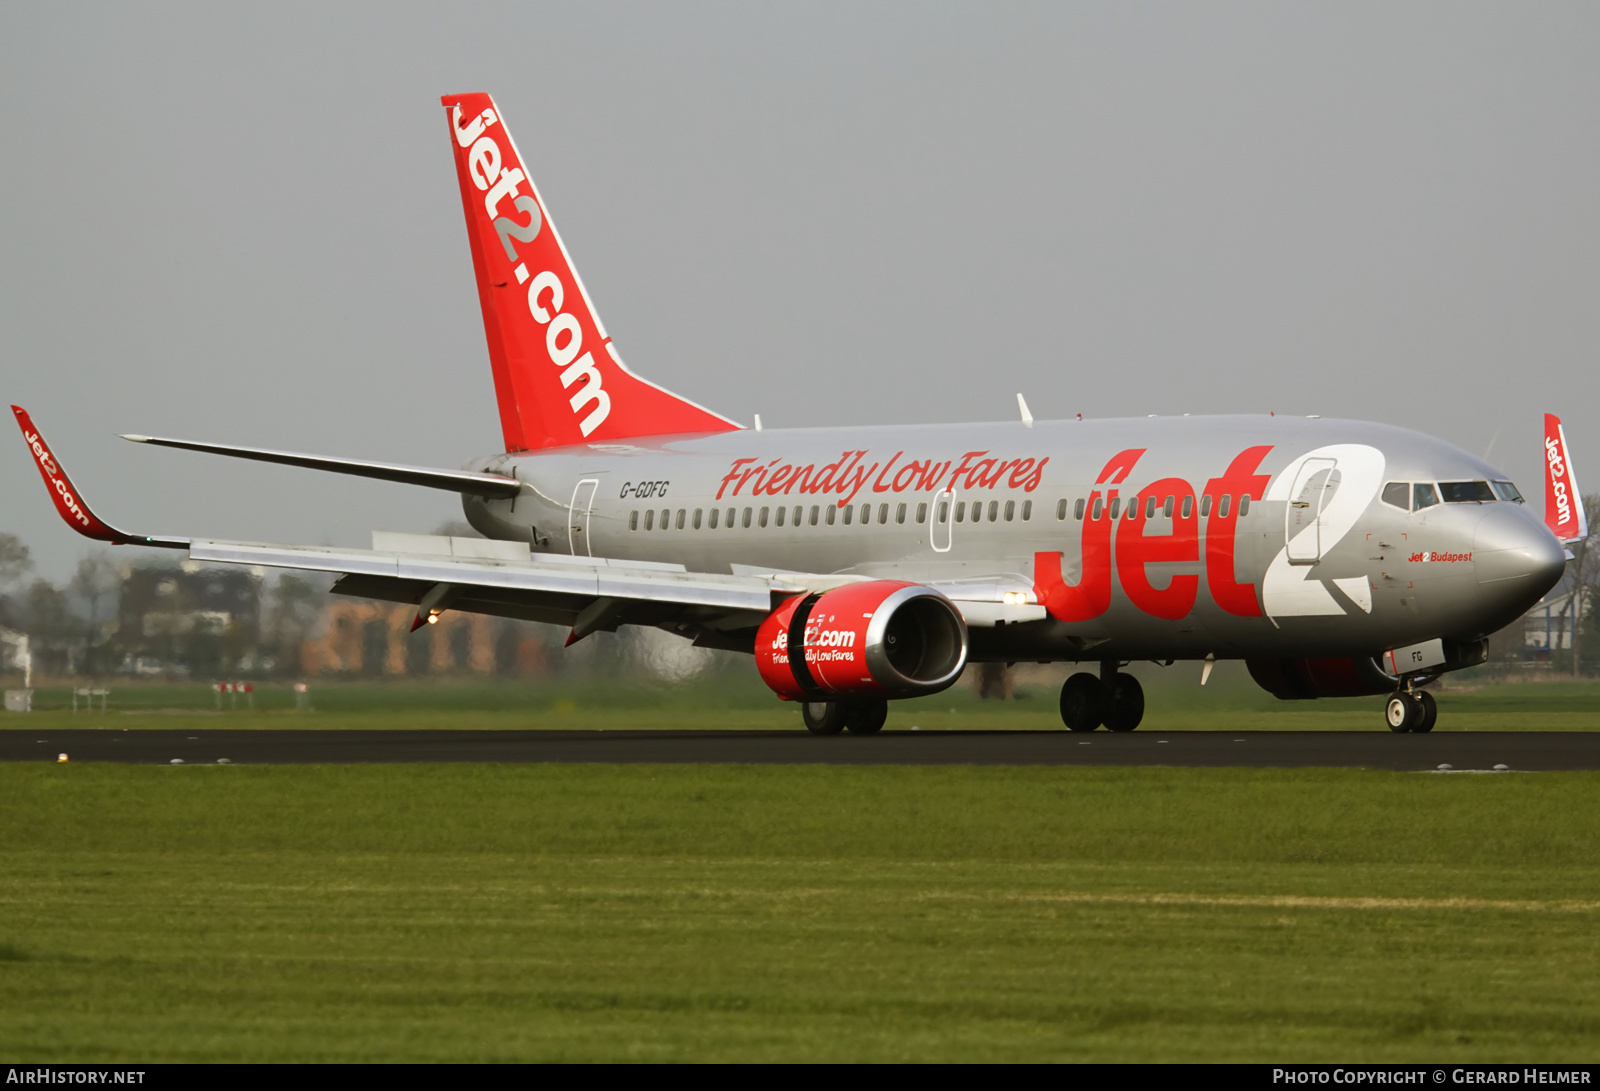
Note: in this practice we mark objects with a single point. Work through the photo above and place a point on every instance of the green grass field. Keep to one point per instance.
(795, 913)
(736, 699)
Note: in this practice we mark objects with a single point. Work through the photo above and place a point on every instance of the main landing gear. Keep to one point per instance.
(832, 717)
(1114, 699)
(1407, 711)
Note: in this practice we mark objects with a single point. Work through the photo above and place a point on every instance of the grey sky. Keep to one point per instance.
(241, 223)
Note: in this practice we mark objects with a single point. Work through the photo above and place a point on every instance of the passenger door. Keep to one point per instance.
(580, 512)
(1314, 485)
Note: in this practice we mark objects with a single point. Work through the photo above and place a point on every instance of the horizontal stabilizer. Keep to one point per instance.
(492, 486)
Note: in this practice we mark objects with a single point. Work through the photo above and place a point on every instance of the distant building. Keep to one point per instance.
(375, 638)
(1549, 626)
(189, 619)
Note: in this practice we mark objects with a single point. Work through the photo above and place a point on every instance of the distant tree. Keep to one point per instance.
(1584, 573)
(97, 584)
(293, 607)
(15, 560)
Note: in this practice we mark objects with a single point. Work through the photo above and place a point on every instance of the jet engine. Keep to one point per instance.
(878, 639)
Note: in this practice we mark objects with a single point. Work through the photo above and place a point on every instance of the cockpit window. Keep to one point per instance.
(1423, 495)
(1505, 490)
(1466, 492)
(1398, 494)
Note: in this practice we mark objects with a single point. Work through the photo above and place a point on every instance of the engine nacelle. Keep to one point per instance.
(1304, 679)
(883, 638)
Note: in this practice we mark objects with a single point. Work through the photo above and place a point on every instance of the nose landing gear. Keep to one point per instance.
(1411, 712)
(1114, 699)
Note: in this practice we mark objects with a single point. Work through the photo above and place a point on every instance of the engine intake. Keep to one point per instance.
(883, 638)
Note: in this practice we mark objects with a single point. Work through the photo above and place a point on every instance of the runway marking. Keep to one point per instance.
(1291, 901)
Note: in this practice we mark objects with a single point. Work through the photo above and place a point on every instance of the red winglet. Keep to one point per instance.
(69, 502)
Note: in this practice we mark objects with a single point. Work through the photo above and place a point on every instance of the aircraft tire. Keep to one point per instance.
(865, 717)
(1429, 716)
(1083, 702)
(1402, 713)
(823, 717)
(1126, 708)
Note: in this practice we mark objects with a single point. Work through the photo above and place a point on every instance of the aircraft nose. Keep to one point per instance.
(1516, 554)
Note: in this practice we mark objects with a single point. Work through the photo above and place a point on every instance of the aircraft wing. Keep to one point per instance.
(589, 594)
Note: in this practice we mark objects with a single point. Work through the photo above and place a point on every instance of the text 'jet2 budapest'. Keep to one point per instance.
(861, 565)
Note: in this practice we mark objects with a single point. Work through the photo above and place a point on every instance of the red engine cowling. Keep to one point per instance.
(882, 638)
(1304, 679)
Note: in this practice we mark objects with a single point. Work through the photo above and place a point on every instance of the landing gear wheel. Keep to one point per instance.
(1402, 713)
(1126, 707)
(1430, 714)
(865, 717)
(1083, 702)
(823, 717)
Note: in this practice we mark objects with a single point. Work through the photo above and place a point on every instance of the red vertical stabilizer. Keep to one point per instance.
(556, 375)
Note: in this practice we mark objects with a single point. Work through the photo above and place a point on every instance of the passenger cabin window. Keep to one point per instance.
(1205, 506)
(1011, 509)
(763, 517)
(1188, 506)
(714, 513)
(1466, 492)
(633, 519)
(1505, 490)
(682, 515)
(961, 511)
(832, 514)
(1397, 494)
(650, 519)
(883, 514)
(1116, 507)
(1244, 505)
(747, 518)
(1423, 495)
(1222, 506)
(922, 513)
(1077, 509)
(1150, 507)
(697, 512)
(1098, 507)
(849, 514)
(1061, 510)
(814, 512)
(900, 514)
(1027, 510)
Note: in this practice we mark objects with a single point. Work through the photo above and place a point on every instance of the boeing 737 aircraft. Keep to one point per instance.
(860, 565)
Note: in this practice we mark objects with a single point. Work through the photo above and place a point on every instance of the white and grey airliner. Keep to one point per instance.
(860, 565)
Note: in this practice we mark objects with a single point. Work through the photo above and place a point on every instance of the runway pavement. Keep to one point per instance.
(1326, 749)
